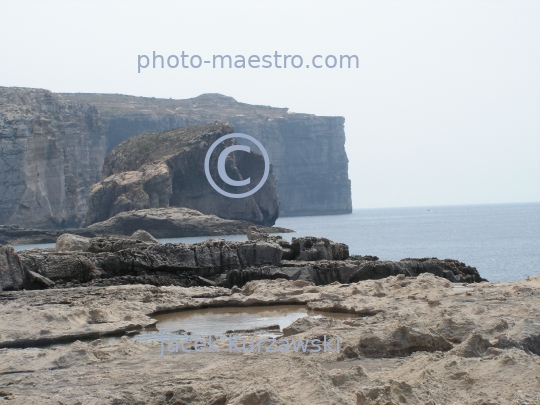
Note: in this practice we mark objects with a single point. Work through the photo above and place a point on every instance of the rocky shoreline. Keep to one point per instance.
(420, 331)
(141, 259)
(413, 340)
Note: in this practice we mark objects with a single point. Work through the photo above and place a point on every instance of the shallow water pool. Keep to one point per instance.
(220, 321)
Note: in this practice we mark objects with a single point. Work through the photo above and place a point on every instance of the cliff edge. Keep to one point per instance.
(51, 153)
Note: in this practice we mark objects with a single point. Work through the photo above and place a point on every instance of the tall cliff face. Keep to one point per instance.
(307, 151)
(51, 153)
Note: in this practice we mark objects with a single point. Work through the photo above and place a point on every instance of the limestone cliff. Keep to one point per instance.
(307, 151)
(51, 152)
(166, 169)
(52, 149)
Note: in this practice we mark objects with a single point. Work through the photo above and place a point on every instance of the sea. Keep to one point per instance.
(501, 240)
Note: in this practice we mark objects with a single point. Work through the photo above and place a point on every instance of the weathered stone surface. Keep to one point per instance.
(51, 153)
(307, 323)
(310, 248)
(241, 277)
(114, 244)
(394, 349)
(308, 151)
(254, 233)
(12, 273)
(172, 222)
(224, 263)
(72, 243)
(452, 270)
(39, 281)
(258, 253)
(160, 264)
(144, 236)
(64, 267)
(166, 169)
(340, 251)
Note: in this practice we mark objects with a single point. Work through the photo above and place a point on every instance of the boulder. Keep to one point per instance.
(310, 248)
(61, 267)
(13, 275)
(144, 236)
(72, 243)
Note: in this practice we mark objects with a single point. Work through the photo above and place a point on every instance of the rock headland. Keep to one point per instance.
(166, 169)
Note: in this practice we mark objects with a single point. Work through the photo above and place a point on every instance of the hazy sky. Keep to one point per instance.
(444, 108)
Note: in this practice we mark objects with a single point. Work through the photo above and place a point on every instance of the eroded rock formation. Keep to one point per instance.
(113, 260)
(53, 148)
(13, 275)
(167, 169)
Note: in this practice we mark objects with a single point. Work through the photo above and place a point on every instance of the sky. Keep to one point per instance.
(443, 109)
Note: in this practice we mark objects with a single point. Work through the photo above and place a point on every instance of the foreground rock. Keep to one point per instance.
(68, 242)
(115, 260)
(13, 275)
(408, 340)
(166, 169)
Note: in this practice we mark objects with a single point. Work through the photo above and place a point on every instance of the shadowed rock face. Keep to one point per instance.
(51, 153)
(167, 169)
(307, 151)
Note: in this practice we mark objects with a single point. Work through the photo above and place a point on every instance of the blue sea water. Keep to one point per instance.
(501, 240)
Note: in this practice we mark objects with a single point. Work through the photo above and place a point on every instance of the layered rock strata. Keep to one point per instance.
(53, 147)
(51, 153)
(111, 261)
